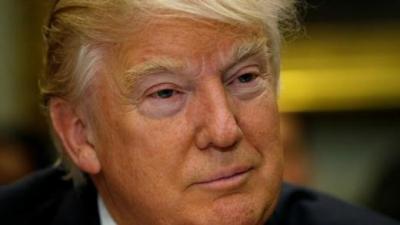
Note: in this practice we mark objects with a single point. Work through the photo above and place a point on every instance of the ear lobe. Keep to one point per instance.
(73, 133)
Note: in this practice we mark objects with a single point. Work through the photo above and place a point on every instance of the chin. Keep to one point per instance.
(236, 209)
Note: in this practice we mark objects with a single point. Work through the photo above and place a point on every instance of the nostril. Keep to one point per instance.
(224, 147)
(222, 135)
(225, 133)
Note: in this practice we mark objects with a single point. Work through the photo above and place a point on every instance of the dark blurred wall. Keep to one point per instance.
(21, 63)
(24, 141)
(339, 11)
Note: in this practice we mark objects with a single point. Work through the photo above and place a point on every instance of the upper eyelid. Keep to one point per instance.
(258, 60)
(150, 81)
(159, 87)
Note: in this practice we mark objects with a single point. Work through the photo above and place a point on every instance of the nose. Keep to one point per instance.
(218, 125)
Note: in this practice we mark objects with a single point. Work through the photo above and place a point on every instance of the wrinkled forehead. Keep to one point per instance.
(200, 36)
(185, 40)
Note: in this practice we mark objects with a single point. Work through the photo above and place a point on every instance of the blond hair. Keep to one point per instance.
(77, 29)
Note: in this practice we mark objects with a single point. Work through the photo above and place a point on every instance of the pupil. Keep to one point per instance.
(245, 78)
(166, 93)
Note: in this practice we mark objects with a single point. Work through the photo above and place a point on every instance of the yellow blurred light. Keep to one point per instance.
(342, 68)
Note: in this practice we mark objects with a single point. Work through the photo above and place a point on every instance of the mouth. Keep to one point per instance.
(227, 179)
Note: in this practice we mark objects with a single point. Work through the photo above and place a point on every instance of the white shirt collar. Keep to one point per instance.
(105, 217)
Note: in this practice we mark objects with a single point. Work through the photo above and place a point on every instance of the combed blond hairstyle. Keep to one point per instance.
(77, 30)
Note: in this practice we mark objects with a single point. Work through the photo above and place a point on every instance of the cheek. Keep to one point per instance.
(151, 149)
(259, 121)
(146, 154)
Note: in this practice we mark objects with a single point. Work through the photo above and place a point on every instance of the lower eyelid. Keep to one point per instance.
(157, 107)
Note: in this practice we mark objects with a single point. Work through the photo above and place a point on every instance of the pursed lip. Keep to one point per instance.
(225, 174)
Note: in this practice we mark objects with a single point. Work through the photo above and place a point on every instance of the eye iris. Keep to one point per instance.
(166, 93)
(245, 78)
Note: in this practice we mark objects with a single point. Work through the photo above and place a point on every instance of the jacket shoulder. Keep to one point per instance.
(45, 197)
(43, 184)
(303, 206)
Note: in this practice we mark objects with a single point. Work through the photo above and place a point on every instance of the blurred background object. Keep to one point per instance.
(15, 161)
(340, 98)
(22, 152)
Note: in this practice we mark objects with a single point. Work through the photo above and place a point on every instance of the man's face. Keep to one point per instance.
(190, 134)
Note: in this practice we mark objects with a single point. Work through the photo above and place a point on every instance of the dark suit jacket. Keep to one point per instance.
(46, 199)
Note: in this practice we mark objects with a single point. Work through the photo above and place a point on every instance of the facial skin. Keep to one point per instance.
(187, 134)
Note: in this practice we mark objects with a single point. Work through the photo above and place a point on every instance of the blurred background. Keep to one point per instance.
(340, 99)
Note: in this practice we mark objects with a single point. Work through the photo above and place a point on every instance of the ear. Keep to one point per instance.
(74, 135)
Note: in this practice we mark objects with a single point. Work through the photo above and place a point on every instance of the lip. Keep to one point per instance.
(226, 179)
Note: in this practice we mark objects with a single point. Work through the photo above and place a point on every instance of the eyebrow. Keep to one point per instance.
(156, 65)
(247, 49)
(240, 52)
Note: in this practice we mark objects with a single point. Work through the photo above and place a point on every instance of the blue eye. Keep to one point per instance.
(165, 93)
(246, 78)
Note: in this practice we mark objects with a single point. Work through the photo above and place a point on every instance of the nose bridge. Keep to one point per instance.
(219, 126)
(220, 114)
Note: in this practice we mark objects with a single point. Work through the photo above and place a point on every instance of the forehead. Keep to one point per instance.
(183, 37)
